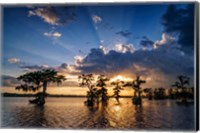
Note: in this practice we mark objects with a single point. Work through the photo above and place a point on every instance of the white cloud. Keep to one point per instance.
(54, 15)
(46, 14)
(78, 60)
(103, 48)
(31, 13)
(119, 47)
(13, 60)
(45, 66)
(102, 41)
(53, 34)
(166, 39)
(96, 19)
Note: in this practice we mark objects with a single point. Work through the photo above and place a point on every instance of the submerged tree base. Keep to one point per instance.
(37, 101)
(89, 103)
(137, 100)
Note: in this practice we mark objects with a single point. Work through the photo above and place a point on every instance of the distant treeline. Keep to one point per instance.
(33, 95)
(48, 95)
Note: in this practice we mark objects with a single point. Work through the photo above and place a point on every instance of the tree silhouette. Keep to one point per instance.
(181, 85)
(159, 93)
(182, 82)
(101, 83)
(118, 87)
(191, 92)
(33, 81)
(172, 94)
(149, 93)
(86, 80)
(135, 85)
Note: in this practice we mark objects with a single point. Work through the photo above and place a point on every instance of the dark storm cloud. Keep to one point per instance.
(55, 15)
(180, 21)
(146, 42)
(166, 59)
(9, 81)
(125, 33)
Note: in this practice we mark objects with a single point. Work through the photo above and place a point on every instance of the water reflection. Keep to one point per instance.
(71, 113)
(40, 119)
(139, 117)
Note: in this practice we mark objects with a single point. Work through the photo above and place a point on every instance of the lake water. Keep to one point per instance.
(71, 113)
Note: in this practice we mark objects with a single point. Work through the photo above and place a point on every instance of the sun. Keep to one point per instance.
(121, 78)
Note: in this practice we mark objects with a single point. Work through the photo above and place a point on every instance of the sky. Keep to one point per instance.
(154, 41)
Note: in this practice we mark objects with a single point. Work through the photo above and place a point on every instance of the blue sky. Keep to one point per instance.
(23, 33)
(63, 37)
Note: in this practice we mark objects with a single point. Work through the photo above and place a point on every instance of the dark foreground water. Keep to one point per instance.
(71, 113)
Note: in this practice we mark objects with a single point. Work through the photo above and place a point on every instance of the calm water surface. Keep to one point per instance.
(71, 113)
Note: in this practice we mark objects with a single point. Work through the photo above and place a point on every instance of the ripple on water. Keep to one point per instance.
(71, 113)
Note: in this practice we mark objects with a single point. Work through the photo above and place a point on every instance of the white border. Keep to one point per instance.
(11, 2)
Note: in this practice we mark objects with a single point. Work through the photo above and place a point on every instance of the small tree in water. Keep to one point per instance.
(118, 87)
(149, 93)
(33, 81)
(159, 93)
(101, 84)
(172, 94)
(135, 84)
(86, 80)
(181, 86)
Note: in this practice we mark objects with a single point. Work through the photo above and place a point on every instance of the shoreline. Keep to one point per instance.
(50, 95)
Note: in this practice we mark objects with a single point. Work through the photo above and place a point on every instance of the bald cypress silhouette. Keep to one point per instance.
(101, 84)
(182, 85)
(149, 93)
(117, 89)
(86, 80)
(172, 93)
(136, 86)
(159, 93)
(33, 81)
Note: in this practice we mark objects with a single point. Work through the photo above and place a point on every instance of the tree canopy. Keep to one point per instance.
(32, 81)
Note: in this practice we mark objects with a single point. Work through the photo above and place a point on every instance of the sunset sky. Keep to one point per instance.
(155, 41)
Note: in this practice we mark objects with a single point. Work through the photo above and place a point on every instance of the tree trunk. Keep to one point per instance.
(139, 93)
(135, 92)
(42, 99)
(44, 87)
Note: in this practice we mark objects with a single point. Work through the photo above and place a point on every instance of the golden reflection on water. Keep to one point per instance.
(117, 108)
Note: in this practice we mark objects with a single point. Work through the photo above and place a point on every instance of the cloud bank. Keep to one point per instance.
(162, 64)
